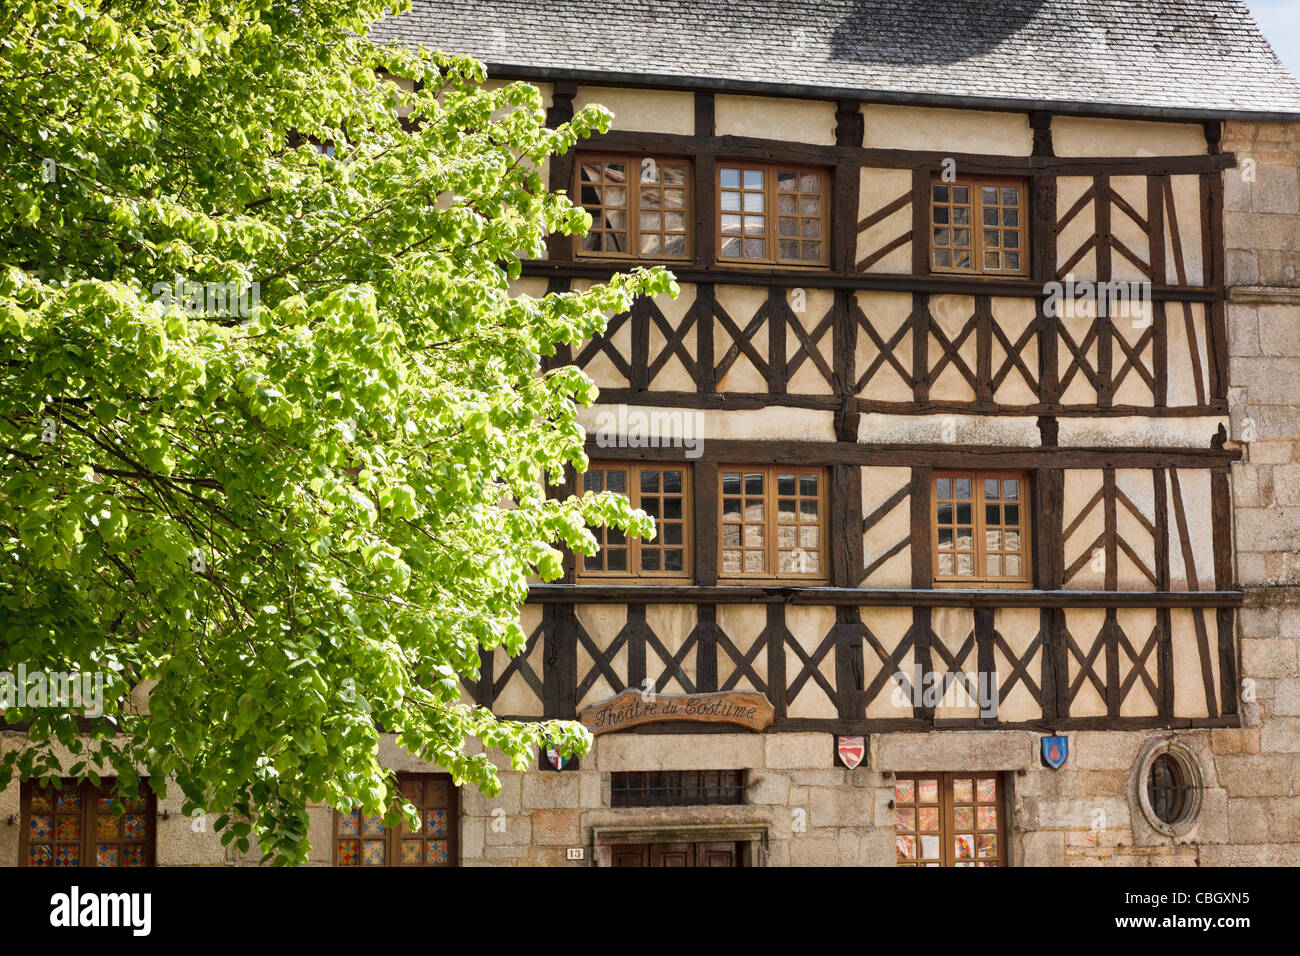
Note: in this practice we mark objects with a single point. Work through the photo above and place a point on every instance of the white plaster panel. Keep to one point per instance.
(947, 130)
(889, 626)
(881, 429)
(645, 111)
(1086, 137)
(809, 627)
(886, 312)
(742, 623)
(766, 117)
(878, 486)
(877, 189)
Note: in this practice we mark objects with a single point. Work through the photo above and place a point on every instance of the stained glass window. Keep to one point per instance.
(949, 819)
(363, 840)
(79, 824)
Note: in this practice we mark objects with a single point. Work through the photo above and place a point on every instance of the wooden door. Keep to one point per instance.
(672, 854)
(717, 854)
(631, 854)
(675, 854)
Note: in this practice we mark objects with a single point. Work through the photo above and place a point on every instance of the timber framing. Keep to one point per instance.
(1118, 368)
(980, 457)
(858, 663)
(732, 274)
(875, 597)
(784, 151)
(1073, 649)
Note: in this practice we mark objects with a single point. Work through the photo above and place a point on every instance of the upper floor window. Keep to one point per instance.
(772, 214)
(978, 226)
(80, 824)
(639, 207)
(772, 522)
(662, 492)
(980, 529)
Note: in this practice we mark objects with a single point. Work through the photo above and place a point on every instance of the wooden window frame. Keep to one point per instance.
(976, 183)
(634, 543)
(87, 841)
(985, 581)
(393, 835)
(634, 210)
(770, 214)
(947, 826)
(770, 524)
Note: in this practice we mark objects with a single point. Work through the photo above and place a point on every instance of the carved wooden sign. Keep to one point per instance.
(630, 708)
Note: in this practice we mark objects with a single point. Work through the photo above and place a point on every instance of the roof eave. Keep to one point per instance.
(889, 97)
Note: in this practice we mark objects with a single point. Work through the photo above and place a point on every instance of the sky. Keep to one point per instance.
(1280, 21)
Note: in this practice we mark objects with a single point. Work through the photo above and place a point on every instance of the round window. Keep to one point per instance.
(1169, 787)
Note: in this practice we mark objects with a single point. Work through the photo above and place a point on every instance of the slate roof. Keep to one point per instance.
(1155, 57)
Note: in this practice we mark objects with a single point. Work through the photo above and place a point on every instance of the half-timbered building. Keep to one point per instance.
(972, 434)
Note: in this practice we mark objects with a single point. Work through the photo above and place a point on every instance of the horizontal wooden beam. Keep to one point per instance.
(887, 725)
(749, 401)
(825, 279)
(873, 597)
(775, 150)
(743, 451)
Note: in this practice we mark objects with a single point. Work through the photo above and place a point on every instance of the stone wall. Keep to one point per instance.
(801, 809)
(1262, 239)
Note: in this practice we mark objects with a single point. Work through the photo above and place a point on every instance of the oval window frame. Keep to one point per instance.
(1189, 767)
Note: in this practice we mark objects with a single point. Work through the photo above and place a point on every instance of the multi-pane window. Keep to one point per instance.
(949, 819)
(663, 494)
(80, 824)
(772, 522)
(772, 214)
(677, 788)
(981, 528)
(363, 840)
(978, 226)
(639, 207)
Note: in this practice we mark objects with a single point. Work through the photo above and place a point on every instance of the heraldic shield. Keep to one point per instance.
(1055, 750)
(851, 750)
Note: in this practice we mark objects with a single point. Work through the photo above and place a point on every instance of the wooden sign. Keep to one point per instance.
(630, 708)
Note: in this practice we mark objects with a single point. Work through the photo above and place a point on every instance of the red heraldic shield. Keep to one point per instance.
(851, 750)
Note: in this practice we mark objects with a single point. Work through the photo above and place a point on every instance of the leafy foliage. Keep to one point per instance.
(293, 528)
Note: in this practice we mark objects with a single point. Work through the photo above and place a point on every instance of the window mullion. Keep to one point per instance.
(633, 541)
(947, 825)
(769, 518)
(87, 821)
(771, 216)
(633, 210)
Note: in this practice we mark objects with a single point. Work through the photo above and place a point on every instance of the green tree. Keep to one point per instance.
(301, 526)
